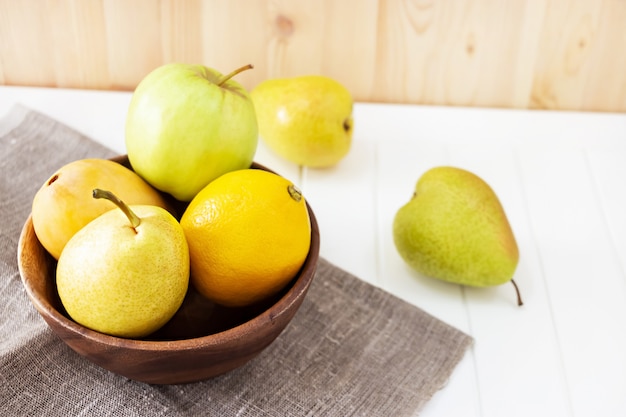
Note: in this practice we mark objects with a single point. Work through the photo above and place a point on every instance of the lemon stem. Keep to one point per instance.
(519, 296)
(132, 217)
(232, 74)
(294, 192)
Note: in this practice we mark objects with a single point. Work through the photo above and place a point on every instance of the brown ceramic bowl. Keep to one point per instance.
(201, 341)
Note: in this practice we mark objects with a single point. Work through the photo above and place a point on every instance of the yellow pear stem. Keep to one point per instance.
(132, 217)
(519, 296)
(232, 74)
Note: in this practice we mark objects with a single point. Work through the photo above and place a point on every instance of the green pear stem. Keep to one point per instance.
(519, 296)
(132, 217)
(232, 74)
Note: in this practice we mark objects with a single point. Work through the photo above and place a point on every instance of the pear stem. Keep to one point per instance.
(519, 296)
(132, 217)
(232, 74)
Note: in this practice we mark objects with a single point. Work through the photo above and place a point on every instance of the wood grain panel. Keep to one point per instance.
(458, 53)
(566, 54)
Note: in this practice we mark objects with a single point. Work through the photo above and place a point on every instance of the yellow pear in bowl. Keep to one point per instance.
(63, 204)
(455, 229)
(306, 120)
(127, 272)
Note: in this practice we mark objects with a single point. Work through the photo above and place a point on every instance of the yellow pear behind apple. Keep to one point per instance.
(63, 204)
(306, 120)
(125, 273)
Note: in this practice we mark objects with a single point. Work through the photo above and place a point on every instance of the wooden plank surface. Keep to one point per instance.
(566, 54)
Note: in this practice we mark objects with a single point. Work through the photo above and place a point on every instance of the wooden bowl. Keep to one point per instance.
(201, 341)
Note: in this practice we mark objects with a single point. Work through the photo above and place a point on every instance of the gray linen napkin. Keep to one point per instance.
(351, 350)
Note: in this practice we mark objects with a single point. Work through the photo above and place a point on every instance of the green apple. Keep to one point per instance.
(454, 228)
(187, 125)
(127, 272)
(306, 120)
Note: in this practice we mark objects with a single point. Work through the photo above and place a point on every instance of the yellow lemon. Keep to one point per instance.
(249, 233)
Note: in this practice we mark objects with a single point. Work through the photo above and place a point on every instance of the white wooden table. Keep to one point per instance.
(561, 178)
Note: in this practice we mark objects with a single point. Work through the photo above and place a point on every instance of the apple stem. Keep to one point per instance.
(519, 296)
(232, 74)
(132, 217)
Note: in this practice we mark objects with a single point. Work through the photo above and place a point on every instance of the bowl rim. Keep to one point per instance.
(300, 285)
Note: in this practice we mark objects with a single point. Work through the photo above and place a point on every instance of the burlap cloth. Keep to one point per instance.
(351, 350)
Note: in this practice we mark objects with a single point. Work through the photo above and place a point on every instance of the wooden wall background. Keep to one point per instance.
(546, 54)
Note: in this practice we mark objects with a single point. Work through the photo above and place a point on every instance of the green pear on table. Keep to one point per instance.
(187, 125)
(127, 272)
(306, 119)
(454, 228)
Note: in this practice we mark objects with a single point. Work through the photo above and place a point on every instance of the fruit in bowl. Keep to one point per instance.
(60, 208)
(188, 124)
(203, 339)
(126, 272)
(249, 232)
